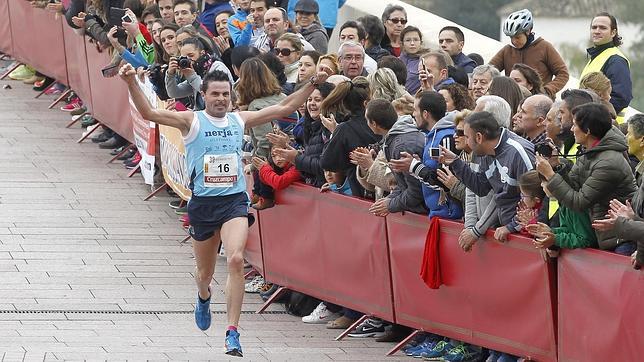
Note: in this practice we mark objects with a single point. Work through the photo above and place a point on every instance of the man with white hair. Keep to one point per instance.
(496, 105)
(352, 56)
(482, 77)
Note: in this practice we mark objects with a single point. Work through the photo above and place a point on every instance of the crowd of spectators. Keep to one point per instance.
(429, 131)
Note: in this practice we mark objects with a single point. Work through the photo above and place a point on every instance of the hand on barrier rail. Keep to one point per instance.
(501, 234)
(634, 262)
(467, 239)
(380, 207)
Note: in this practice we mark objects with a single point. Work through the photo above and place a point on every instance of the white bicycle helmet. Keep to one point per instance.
(518, 22)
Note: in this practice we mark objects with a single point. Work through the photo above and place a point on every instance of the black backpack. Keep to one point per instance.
(299, 304)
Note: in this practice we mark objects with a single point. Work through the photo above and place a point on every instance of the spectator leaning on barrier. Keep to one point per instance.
(482, 77)
(507, 156)
(451, 39)
(400, 135)
(534, 51)
(600, 174)
(375, 33)
(429, 113)
(308, 24)
(350, 134)
(606, 57)
(412, 40)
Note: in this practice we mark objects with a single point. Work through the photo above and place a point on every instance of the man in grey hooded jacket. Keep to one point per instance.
(399, 135)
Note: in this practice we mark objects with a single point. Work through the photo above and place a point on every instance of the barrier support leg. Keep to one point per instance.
(403, 342)
(251, 273)
(352, 327)
(278, 293)
(134, 170)
(185, 240)
(10, 69)
(46, 89)
(60, 98)
(89, 133)
(121, 153)
(159, 189)
(76, 119)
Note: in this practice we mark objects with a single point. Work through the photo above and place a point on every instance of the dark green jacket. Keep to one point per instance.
(600, 174)
(575, 230)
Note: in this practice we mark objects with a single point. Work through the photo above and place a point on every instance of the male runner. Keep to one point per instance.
(218, 209)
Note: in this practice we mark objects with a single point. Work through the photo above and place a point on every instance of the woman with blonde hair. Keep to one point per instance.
(257, 89)
(331, 61)
(384, 85)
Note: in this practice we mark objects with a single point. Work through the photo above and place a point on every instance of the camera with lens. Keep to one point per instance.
(157, 73)
(184, 62)
(544, 149)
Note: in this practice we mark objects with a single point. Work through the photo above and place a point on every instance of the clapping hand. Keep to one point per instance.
(403, 163)
(258, 163)
(621, 210)
(525, 214)
(329, 122)
(278, 138)
(362, 157)
(446, 177)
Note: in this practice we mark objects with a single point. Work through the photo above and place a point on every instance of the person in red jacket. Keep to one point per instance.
(277, 172)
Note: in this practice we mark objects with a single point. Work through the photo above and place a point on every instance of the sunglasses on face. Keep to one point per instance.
(398, 20)
(459, 133)
(284, 51)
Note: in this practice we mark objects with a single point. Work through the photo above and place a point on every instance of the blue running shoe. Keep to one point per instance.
(462, 353)
(202, 313)
(233, 347)
(437, 353)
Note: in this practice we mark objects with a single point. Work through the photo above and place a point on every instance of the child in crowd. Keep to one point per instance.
(531, 207)
(336, 182)
(277, 172)
(575, 230)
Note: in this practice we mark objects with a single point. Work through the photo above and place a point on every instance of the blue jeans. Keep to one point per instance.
(626, 248)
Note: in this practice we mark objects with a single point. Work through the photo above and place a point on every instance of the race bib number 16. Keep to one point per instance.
(220, 170)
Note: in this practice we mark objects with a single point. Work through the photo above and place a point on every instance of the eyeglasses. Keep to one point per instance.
(459, 132)
(284, 51)
(398, 20)
(350, 57)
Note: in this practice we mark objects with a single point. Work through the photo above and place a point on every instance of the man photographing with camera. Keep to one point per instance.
(218, 209)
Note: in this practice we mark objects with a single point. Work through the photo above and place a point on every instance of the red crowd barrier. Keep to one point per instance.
(496, 296)
(330, 247)
(45, 51)
(253, 252)
(77, 71)
(600, 307)
(109, 95)
(6, 46)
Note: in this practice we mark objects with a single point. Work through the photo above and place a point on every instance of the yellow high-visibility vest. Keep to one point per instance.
(597, 64)
(553, 204)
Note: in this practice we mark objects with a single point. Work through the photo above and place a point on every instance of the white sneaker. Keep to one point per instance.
(254, 285)
(320, 315)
